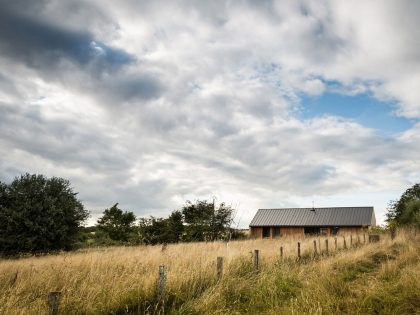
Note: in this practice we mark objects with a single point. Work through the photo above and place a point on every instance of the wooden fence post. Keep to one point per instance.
(344, 240)
(315, 250)
(256, 262)
(281, 252)
(358, 239)
(219, 267)
(53, 301)
(326, 247)
(319, 245)
(162, 281)
(351, 240)
(364, 238)
(298, 250)
(335, 244)
(393, 233)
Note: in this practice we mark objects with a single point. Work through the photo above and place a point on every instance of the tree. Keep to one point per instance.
(175, 226)
(403, 211)
(198, 220)
(153, 230)
(205, 222)
(158, 230)
(39, 214)
(118, 225)
(411, 214)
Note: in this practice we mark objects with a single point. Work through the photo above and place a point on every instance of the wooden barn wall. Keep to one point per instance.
(256, 232)
(291, 231)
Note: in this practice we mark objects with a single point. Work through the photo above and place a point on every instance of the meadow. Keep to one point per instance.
(371, 278)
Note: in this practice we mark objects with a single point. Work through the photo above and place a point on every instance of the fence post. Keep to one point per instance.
(326, 247)
(162, 281)
(219, 267)
(344, 240)
(364, 238)
(53, 300)
(315, 249)
(256, 262)
(358, 239)
(335, 244)
(351, 240)
(298, 250)
(319, 245)
(393, 233)
(281, 252)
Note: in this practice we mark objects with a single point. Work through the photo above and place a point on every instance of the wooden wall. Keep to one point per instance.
(256, 232)
(291, 231)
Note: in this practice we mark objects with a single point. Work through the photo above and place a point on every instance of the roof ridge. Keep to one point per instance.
(315, 208)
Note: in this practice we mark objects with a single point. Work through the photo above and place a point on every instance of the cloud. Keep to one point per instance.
(150, 103)
(42, 45)
(74, 57)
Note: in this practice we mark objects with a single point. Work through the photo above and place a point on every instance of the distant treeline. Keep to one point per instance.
(40, 214)
(194, 222)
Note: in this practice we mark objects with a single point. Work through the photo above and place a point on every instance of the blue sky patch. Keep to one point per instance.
(361, 108)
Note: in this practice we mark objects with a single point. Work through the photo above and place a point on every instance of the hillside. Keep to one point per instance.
(377, 278)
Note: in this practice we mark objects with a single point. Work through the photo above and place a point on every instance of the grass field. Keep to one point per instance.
(378, 278)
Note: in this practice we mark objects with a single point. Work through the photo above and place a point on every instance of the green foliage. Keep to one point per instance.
(175, 227)
(411, 214)
(236, 234)
(405, 211)
(158, 230)
(92, 236)
(378, 229)
(38, 214)
(199, 221)
(116, 224)
(205, 222)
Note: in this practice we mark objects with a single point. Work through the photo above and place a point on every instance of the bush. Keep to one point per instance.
(39, 214)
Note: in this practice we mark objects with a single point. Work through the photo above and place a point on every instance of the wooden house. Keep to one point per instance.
(274, 223)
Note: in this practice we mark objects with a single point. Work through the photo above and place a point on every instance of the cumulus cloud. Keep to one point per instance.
(40, 44)
(152, 103)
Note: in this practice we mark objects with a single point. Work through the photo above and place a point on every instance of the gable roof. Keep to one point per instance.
(339, 216)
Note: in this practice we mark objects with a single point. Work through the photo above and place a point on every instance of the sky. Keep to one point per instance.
(261, 104)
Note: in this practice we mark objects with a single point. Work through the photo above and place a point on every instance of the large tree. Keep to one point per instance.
(406, 210)
(117, 224)
(206, 222)
(38, 214)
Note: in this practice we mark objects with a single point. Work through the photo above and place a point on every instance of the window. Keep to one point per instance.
(312, 230)
(266, 232)
(276, 232)
(324, 231)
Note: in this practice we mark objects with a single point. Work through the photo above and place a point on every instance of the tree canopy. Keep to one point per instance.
(406, 210)
(206, 222)
(117, 224)
(159, 230)
(39, 214)
(195, 221)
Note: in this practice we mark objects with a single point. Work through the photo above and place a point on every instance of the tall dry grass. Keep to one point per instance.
(122, 280)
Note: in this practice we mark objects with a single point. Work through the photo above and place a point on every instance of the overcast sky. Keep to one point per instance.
(258, 103)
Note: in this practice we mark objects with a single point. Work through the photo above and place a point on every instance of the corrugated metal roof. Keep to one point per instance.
(340, 216)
